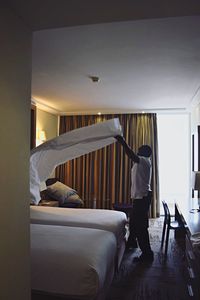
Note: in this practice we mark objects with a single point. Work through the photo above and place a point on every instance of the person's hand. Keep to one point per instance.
(119, 138)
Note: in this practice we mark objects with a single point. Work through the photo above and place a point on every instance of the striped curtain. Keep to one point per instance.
(105, 175)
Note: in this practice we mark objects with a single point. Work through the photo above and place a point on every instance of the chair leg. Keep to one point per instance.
(163, 234)
(167, 240)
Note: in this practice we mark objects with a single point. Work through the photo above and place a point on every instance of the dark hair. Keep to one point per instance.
(145, 150)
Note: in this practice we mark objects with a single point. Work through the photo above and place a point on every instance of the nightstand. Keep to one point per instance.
(52, 203)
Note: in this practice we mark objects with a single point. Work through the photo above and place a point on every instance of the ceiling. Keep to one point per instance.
(146, 56)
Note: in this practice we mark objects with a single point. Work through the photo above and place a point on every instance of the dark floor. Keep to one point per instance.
(161, 280)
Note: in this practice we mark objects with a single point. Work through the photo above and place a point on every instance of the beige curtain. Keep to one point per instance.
(104, 175)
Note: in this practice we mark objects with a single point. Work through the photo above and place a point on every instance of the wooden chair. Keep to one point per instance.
(167, 226)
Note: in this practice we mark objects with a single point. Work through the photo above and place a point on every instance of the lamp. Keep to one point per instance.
(196, 187)
(42, 136)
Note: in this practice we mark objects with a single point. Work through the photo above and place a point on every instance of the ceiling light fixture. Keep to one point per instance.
(99, 113)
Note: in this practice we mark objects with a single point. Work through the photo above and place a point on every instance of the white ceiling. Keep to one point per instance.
(146, 65)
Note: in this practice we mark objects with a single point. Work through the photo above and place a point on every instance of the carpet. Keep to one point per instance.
(161, 280)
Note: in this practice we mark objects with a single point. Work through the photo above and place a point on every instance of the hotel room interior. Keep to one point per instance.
(69, 64)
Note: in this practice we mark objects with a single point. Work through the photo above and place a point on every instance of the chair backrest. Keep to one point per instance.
(167, 213)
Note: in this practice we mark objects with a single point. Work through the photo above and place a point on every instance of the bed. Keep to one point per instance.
(109, 220)
(76, 263)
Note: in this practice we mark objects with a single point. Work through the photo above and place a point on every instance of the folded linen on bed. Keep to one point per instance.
(110, 220)
(70, 261)
(67, 146)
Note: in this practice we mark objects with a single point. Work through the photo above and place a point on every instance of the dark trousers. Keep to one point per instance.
(139, 223)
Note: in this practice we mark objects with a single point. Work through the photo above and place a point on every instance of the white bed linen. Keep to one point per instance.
(67, 146)
(110, 220)
(71, 261)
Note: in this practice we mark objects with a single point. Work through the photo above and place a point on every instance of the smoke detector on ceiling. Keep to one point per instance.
(94, 78)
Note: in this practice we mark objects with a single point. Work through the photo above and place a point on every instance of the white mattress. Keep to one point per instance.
(110, 220)
(71, 261)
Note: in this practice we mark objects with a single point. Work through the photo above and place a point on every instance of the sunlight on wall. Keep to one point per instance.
(174, 158)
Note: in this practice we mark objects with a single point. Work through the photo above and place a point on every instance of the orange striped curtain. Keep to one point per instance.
(104, 175)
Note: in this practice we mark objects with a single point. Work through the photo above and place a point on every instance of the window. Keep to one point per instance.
(174, 158)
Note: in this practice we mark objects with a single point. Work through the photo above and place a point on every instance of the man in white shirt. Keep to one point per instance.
(141, 195)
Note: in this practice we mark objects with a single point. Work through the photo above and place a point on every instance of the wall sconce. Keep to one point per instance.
(42, 136)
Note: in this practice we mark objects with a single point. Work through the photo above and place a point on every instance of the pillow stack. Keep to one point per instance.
(66, 196)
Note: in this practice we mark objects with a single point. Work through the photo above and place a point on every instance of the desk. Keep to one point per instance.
(191, 222)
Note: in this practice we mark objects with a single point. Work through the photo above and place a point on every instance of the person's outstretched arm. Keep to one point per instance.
(131, 154)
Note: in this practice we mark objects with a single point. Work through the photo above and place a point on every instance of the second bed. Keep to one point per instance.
(109, 220)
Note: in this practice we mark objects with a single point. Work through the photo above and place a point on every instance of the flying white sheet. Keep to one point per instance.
(67, 146)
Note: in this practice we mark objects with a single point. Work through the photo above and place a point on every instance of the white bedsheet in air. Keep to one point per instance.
(71, 261)
(110, 220)
(67, 146)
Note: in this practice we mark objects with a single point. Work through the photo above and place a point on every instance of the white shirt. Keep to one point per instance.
(141, 178)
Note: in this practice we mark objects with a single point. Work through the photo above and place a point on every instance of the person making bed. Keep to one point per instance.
(141, 195)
